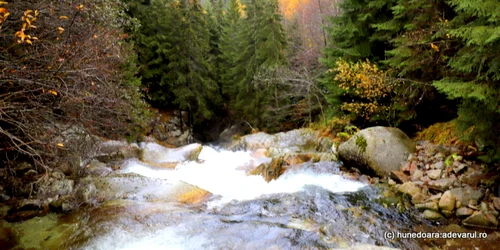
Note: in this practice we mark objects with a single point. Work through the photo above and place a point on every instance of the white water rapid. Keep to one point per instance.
(234, 218)
(223, 173)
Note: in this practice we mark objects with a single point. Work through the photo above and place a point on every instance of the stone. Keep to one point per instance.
(433, 205)
(439, 165)
(399, 176)
(232, 132)
(434, 174)
(379, 149)
(447, 201)
(496, 203)
(417, 174)
(464, 212)
(391, 182)
(441, 184)
(27, 209)
(435, 197)
(459, 168)
(418, 198)
(153, 152)
(432, 215)
(482, 220)
(409, 188)
(466, 195)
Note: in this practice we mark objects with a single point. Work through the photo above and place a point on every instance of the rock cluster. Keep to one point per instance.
(442, 184)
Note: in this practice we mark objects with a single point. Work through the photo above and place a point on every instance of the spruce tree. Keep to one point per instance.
(353, 37)
(474, 72)
(261, 46)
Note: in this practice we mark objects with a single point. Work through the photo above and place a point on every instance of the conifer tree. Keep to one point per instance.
(474, 71)
(353, 37)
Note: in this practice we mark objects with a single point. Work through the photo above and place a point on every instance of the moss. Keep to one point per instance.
(361, 143)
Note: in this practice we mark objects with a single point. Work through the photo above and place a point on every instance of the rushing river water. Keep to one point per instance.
(308, 207)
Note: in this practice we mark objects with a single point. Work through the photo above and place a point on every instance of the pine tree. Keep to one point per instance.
(174, 51)
(474, 75)
(229, 46)
(261, 46)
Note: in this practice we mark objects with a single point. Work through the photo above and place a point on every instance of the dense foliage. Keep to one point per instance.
(431, 48)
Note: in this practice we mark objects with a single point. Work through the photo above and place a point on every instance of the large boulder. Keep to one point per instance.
(379, 149)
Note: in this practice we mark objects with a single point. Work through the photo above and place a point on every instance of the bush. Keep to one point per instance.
(64, 63)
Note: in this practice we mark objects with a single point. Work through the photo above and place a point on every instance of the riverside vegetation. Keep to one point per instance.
(75, 74)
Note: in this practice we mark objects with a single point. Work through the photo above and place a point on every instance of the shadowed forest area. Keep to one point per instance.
(94, 68)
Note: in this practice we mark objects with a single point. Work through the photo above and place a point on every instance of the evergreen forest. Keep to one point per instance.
(267, 64)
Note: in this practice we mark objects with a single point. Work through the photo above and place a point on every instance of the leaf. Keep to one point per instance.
(28, 41)
(53, 92)
(63, 17)
(60, 30)
(2, 2)
(60, 144)
(434, 47)
(3, 10)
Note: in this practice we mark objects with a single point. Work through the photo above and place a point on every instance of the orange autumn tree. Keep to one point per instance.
(64, 68)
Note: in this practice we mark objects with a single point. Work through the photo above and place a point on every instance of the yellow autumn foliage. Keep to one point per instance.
(367, 83)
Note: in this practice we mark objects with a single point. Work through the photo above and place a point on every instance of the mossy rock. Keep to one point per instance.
(377, 150)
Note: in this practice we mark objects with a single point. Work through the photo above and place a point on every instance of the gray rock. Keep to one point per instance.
(380, 149)
(432, 215)
(442, 184)
(230, 133)
(434, 174)
(433, 205)
(417, 175)
(481, 219)
(459, 168)
(439, 165)
(447, 201)
(464, 212)
(409, 188)
(465, 195)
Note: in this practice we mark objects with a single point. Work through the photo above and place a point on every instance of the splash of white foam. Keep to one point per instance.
(220, 172)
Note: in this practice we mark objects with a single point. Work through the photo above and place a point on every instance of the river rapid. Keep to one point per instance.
(214, 203)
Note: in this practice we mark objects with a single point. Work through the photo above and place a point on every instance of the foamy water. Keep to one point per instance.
(222, 173)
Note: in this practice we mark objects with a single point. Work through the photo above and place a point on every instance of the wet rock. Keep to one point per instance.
(481, 219)
(97, 168)
(399, 176)
(434, 174)
(447, 201)
(433, 205)
(57, 187)
(155, 153)
(441, 184)
(464, 212)
(70, 165)
(27, 209)
(496, 203)
(117, 150)
(409, 188)
(380, 149)
(232, 132)
(63, 204)
(465, 195)
(432, 215)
